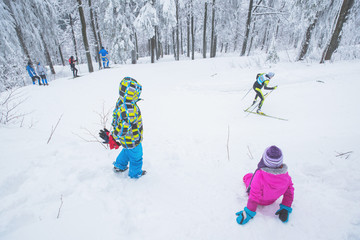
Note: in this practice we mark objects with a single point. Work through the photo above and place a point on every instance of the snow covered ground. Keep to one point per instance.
(192, 113)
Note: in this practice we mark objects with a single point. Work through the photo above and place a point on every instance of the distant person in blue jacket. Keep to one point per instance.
(32, 73)
(41, 71)
(103, 53)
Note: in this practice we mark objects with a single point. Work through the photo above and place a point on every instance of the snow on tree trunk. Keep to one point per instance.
(97, 48)
(47, 55)
(73, 36)
(84, 35)
(336, 34)
(247, 28)
(213, 41)
(204, 31)
(306, 42)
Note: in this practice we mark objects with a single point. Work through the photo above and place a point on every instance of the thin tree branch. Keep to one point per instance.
(53, 129)
(227, 145)
(60, 207)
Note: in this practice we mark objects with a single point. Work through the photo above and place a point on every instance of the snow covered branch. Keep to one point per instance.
(9, 106)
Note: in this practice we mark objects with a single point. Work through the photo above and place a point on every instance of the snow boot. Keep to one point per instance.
(120, 170)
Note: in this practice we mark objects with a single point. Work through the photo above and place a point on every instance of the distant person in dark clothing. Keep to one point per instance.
(72, 65)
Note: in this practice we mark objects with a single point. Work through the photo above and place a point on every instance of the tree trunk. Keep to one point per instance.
(47, 55)
(174, 43)
(247, 28)
(192, 36)
(213, 41)
(152, 49)
(192, 31)
(61, 56)
(336, 34)
(306, 42)
(188, 34)
(157, 54)
(95, 35)
(97, 28)
(73, 35)
(133, 56)
(83, 30)
(177, 56)
(181, 39)
(136, 47)
(204, 33)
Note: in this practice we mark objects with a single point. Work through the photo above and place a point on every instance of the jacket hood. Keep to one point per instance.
(275, 177)
(129, 90)
(276, 171)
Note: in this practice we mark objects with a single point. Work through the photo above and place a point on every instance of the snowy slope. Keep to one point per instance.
(66, 189)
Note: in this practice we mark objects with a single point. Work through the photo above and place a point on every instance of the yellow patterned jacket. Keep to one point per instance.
(127, 121)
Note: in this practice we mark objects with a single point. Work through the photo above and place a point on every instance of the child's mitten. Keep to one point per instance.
(244, 216)
(283, 213)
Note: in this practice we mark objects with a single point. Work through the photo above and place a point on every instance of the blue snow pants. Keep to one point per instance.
(134, 156)
(105, 60)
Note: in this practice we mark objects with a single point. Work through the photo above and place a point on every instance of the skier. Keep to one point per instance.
(72, 66)
(270, 181)
(41, 71)
(262, 80)
(104, 58)
(128, 129)
(32, 73)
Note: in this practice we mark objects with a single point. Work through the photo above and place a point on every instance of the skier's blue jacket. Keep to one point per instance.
(103, 52)
(31, 71)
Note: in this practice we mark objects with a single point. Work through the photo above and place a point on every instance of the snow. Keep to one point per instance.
(192, 110)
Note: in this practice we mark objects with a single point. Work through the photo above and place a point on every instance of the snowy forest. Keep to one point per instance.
(50, 31)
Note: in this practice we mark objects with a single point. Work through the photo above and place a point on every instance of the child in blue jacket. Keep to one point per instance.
(32, 73)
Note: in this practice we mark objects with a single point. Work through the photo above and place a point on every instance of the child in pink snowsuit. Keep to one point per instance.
(269, 182)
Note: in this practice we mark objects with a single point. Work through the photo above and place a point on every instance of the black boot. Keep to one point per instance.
(120, 170)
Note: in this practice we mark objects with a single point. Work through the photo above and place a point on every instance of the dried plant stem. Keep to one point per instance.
(60, 207)
(94, 138)
(249, 153)
(227, 145)
(54, 128)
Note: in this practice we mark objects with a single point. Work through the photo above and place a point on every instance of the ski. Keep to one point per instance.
(265, 115)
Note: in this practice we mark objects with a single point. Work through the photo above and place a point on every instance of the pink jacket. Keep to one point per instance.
(268, 185)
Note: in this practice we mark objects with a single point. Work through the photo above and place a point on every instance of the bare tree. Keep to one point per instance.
(306, 41)
(213, 34)
(84, 35)
(247, 28)
(47, 55)
(336, 34)
(177, 55)
(204, 33)
(192, 32)
(92, 19)
(71, 22)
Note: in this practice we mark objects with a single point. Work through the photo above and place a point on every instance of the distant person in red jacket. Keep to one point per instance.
(72, 66)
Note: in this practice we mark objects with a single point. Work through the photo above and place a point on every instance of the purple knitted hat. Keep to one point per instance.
(273, 157)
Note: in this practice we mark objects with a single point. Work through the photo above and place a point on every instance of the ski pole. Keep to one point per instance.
(265, 96)
(246, 94)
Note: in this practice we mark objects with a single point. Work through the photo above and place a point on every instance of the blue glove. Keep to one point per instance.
(283, 213)
(241, 216)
